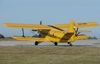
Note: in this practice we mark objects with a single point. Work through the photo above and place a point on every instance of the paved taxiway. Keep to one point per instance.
(93, 43)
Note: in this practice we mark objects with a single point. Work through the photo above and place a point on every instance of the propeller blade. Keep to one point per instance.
(34, 30)
(39, 35)
(41, 22)
(77, 33)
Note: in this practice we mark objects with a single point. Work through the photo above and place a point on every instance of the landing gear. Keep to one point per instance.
(55, 43)
(36, 43)
(70, 44)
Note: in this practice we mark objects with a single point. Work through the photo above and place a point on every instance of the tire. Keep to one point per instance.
(70, 44)
(55, 43)
(36, 43)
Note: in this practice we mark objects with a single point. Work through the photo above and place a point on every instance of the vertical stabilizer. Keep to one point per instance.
(71, 26)
(71, 30)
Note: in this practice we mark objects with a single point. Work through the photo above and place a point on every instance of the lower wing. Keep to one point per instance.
(29, 38)
(66, 31)
(81, 37)
(84, 31)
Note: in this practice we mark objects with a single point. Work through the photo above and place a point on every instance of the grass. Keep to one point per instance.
(7, 39)
(49, 55)
(97, 43)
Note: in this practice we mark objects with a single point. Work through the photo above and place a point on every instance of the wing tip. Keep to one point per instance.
(4, 24)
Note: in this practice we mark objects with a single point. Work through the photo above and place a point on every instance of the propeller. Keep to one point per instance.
(77, 33)
(38, 29)
(76, 30)
(40, 22)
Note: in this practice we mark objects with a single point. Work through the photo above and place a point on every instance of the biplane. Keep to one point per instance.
(54, 33)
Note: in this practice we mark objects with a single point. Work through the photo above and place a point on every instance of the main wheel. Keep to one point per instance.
(55, 43)
(36, 43)
(70, 44)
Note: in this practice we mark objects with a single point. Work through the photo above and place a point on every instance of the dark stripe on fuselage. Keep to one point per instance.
(55, 27)
(47, 33)
(66, 37)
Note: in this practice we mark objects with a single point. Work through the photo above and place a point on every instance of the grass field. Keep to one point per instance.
(49, 55)
(7, 39)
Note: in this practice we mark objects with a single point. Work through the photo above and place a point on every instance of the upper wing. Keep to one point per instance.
(33, 26)
(37, 26)
(78, 25)
(86, 24)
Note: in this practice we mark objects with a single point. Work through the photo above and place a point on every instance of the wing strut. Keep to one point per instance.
(23, 32)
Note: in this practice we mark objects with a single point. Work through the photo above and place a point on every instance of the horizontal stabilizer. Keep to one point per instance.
(29, 38)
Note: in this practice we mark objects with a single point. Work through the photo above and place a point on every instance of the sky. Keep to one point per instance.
(50, 12)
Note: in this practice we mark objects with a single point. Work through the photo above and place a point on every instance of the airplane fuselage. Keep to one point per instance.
(58, 36)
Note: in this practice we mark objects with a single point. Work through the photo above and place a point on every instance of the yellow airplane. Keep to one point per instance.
(54, 33)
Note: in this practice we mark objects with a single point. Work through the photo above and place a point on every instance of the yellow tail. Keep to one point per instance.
(71, 30)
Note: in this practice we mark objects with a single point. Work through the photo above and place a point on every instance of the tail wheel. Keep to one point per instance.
(55, 43)
(36, 43)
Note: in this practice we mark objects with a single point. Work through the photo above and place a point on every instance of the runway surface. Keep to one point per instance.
(87, 43)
